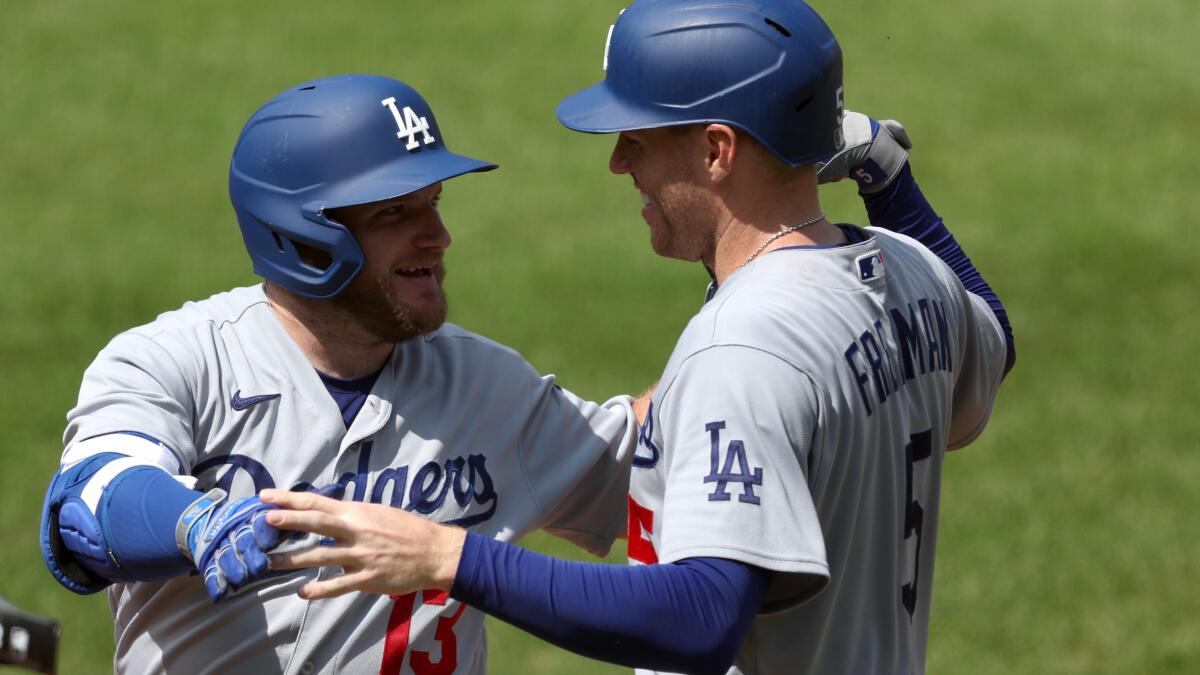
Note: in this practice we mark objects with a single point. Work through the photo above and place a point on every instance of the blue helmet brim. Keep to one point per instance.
(596, 110)
(399, 178)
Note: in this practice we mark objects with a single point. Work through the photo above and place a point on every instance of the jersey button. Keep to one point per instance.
(307, 668)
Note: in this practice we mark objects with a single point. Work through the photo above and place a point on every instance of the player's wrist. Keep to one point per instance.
(446, 553)
(193, 520)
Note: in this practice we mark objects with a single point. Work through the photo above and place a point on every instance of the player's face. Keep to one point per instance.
(398, 294)
(667, 170)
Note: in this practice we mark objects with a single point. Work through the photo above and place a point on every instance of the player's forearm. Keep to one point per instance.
(145, 509)
(902, 207)
(686, 617)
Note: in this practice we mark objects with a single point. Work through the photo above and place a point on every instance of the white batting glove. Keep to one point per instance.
(874, 153)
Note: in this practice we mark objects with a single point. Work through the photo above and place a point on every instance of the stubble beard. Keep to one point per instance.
(369, 302)
(683, 233)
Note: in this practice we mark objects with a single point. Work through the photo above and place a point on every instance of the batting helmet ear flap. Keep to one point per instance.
(273, 234)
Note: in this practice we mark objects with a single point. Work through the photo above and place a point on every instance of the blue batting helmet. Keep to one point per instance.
(337, 141)
(771, 68)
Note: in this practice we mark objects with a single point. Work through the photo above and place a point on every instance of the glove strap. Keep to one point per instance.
(194, 518)
(882, 165)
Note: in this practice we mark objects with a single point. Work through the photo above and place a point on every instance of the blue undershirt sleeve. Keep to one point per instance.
(901, 207)
(689, 616)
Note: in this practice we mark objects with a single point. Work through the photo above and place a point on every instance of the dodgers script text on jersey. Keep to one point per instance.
(457, 428)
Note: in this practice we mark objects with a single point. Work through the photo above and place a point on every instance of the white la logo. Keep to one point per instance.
(608, 40)
(409, 124)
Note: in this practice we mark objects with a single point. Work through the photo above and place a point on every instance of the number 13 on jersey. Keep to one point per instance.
(396, 644)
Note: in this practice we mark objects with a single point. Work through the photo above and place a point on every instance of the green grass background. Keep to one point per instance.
(1057, 138)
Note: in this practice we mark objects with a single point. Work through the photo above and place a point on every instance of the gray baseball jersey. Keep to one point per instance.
(800, 426)
(457, 429)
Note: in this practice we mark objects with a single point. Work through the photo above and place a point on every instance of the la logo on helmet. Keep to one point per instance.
(409, 124)
(608, 40)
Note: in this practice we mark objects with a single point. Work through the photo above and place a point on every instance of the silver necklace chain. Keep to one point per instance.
(784, 231)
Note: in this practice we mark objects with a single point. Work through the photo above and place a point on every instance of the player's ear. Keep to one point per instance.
(722, 146)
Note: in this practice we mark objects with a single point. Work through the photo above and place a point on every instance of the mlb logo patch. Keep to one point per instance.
(870, 266)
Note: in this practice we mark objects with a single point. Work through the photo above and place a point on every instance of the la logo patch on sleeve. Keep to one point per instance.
(870, 266)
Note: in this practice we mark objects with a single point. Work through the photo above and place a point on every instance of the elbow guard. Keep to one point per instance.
(75, 551)
(112, 518)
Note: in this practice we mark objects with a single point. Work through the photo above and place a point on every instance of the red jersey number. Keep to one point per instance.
(396, 643)
(641, 525)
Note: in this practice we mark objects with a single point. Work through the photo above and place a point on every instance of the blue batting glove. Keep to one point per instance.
(873, 154)
(228, 541)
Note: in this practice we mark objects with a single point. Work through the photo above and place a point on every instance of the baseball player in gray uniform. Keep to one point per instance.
(784, 502)
(338, 373)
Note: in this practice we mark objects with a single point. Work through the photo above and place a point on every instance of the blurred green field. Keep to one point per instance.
(1057, 138)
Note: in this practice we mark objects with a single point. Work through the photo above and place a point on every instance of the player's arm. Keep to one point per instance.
(121, 506)
(688, 616)
(119, 510)
(574, 456)
(876, 157)
(93, 529)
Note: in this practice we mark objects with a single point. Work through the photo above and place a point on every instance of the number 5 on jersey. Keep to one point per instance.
(641, 526)
(920, 447)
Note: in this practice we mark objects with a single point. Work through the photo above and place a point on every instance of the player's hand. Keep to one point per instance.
(228, 540)
(874, 153)
(380, 549)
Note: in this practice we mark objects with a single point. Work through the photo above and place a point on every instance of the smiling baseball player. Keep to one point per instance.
(337, 371)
